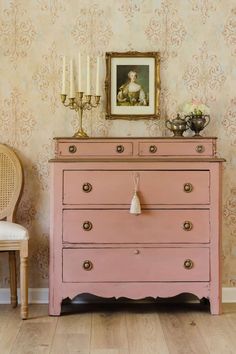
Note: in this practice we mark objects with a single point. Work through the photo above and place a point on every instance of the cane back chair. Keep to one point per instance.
(13, 237)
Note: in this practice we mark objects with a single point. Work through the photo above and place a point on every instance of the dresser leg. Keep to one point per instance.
(215, 307)
(55, 309)
(55, 301)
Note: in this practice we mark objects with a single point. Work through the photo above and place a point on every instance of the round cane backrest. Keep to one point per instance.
(10, 181)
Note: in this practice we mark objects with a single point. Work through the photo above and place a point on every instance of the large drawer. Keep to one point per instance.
(116, 187)
(89, 149)
(137, 265)
(151, 226)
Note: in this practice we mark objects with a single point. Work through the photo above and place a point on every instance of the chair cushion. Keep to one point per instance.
(11, 231)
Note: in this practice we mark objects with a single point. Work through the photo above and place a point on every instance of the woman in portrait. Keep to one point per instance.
(131, 93)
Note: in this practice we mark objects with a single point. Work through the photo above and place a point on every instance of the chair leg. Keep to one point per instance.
(13, 279)
(24, 286)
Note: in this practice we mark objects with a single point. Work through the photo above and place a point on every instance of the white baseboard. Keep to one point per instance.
(40, 295)
(36, 295)
(228, 295)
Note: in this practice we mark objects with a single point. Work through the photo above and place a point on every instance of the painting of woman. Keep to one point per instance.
(131, 93)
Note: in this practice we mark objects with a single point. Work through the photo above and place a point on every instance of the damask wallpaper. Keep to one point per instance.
(197, 41)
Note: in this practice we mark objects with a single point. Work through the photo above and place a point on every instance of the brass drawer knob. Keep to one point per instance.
(187, 225)
(200, 148)
(152, 149)
(188, 187)
(136, 252)
(72, 149)
(120, 149)
(87, 265)
(87, 226)
(87, 187)
(188, 264)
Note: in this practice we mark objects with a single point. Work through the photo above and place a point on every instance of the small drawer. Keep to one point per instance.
(176, 148)
(116, 187)
(90, 149)
(151, 226)
(135, 264)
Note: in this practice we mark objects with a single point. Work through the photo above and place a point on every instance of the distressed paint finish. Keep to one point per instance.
(135, 264)
(34, 35)
(135, 256)
(156, 187)
(133, 147)
(151, 226)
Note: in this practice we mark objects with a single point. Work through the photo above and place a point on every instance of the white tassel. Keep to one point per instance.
(135, 207)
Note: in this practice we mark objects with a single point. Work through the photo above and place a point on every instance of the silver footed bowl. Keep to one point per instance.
(197, 122)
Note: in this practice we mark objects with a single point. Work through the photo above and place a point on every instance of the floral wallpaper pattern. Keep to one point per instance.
(16, 31)
(167, 28)
(230, 31)
(46, 78)
(204, 75)
(128, 8)
(196, 39)
(17, 120)
(203, 8)
(53, 8)
(92, 29)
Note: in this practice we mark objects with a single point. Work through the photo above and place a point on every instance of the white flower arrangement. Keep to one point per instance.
(195, 107)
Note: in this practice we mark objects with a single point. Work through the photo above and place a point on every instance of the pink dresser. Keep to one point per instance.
(172, 247)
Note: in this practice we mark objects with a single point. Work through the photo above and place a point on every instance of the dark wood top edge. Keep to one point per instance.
(137, 138)
(131, 160)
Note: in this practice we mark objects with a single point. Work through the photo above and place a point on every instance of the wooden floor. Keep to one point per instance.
(120, 329)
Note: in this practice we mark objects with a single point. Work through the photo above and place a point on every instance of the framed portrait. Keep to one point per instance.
(132, 85)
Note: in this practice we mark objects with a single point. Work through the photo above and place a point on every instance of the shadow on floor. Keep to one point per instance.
(91, 303)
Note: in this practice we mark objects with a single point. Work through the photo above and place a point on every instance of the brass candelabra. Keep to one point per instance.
(80, 103)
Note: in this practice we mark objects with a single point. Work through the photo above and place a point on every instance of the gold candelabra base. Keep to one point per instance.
(80, 103)
(80, 134)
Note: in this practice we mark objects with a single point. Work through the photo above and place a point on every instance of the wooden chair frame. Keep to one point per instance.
(7, 211)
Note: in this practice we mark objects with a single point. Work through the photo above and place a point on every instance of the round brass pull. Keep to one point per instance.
(187, 225)
(152, 149)
(200, 148)
(87, 226)
(87, 187)
(120, 149)
(72, 149)
(87, 265)
(136, 252)
(188, 264)
(188, 187)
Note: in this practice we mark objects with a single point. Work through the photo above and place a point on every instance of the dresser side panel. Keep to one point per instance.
(55, 259)
(216, 231)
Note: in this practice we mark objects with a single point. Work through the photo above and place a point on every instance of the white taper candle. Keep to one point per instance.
(88, 75)
(63, 89)
(72, 84)
(79, 73)
(97, 78)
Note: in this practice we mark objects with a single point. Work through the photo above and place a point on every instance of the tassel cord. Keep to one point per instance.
(136, 182)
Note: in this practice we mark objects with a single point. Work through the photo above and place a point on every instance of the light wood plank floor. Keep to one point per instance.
(120, 329)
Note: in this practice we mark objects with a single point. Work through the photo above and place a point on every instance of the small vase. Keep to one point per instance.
(197, 122)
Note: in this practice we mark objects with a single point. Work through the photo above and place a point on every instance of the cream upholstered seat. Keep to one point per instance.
(13, 237)
(11, 231)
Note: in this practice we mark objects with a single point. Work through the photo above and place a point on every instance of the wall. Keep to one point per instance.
(196, 39)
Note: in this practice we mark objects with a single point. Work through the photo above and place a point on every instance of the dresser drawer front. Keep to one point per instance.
(89, 149)
(116, 187)
(175, 148)
(151, 226)
(137, 265)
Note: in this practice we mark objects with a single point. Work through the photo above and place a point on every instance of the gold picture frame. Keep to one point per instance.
(132, 85)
